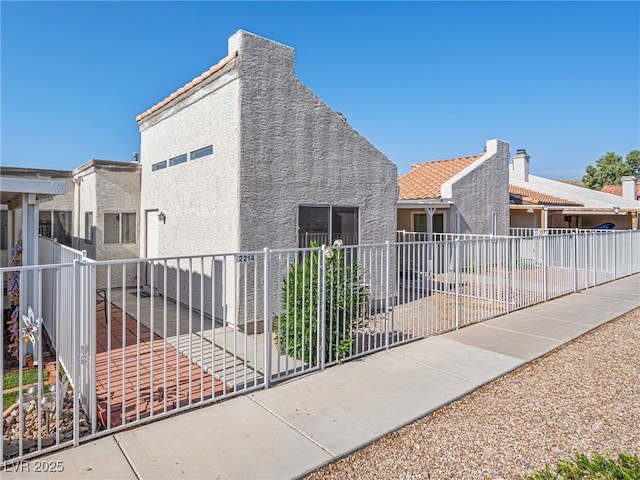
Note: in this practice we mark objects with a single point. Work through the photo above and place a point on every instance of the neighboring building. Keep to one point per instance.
(245, 156)
(459, 195)
(55, 212)
(106, 209)
(98, 213)
(538, 202)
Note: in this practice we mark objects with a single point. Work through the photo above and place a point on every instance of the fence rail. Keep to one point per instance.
(139, 339)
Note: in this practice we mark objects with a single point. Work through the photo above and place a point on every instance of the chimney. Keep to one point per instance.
(520, 167)
(629, 187)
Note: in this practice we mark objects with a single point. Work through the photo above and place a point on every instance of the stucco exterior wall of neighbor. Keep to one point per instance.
(480, 190)
(117, 192)
(199, 197)
(296, 151)
(60, 202)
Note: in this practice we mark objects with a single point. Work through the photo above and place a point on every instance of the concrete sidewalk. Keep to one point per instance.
(294, 428)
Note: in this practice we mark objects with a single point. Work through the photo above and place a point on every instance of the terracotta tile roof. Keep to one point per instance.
(617, 189)
(425, 179)
(537, 198)
(217, 67)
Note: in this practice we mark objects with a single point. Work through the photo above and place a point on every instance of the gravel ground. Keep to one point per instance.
(583, 397)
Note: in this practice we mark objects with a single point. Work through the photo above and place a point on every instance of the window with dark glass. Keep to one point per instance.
(88, 227)
(177, 160)
(119, 228)
(159, 166)
(324, 225)
(203, 152)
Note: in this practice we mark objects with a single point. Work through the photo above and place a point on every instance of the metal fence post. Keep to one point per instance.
(322, 324)
(78, 292)
(615, 255)
(545, 241)
(457, 281)
(632, 267)
(267, 324)
(575, 262)
(507, 267)
(386, 295)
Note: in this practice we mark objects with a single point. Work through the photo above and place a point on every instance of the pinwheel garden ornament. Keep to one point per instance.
(31, 325)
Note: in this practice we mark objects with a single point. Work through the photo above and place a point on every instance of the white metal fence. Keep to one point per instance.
(144, 338)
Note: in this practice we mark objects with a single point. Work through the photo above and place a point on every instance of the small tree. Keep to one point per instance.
(610, 168)
(345, 306)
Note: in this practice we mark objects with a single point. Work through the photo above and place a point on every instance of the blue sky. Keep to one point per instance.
(420, 80)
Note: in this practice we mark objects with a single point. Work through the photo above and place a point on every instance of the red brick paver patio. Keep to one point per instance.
(155, 375)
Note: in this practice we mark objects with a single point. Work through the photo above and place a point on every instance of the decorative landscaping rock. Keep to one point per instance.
(30, 427)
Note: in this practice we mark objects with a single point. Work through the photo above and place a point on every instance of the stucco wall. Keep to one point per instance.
(199, 197)
(296, 151)
(480, 190)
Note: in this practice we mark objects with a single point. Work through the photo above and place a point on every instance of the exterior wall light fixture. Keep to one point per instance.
(162, 217)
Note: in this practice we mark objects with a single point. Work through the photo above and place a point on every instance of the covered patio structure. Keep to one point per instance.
(20, 197)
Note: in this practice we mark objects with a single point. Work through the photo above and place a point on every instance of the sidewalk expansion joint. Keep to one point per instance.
(126, 457)
(422, 364)
(547, 317)
(322, 447)
(560, 342)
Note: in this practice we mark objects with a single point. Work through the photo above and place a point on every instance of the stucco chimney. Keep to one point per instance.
(520, 167)
(629, 187)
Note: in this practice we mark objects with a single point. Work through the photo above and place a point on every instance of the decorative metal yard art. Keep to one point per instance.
(48, 404)
(31, 326)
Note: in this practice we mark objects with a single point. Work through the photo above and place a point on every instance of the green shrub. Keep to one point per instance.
(345, 302)
(625, 467)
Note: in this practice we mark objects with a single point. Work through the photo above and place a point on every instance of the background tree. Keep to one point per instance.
(610, 168)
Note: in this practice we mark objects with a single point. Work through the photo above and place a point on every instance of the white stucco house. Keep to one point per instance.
(459, 195)
(246, 156)
(538, 202)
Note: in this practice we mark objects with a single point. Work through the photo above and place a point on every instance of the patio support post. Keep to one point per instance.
(29, 229)
(268, 327)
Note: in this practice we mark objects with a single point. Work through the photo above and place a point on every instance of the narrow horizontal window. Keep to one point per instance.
(203, 152)
(177, 160)
(159, 166)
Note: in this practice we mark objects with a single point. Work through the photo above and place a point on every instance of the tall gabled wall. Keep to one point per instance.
(480, 190)
(296, 151)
